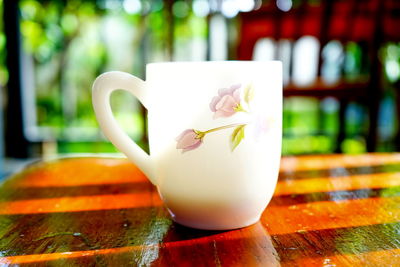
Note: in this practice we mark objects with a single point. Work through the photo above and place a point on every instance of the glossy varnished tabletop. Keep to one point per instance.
(327, 211)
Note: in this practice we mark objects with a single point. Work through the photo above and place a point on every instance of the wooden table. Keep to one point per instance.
(327, 211)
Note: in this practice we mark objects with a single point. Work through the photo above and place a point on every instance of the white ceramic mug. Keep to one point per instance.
(214, 136)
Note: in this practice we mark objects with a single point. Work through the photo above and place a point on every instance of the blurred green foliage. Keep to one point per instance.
(66, 47)
(68, 43)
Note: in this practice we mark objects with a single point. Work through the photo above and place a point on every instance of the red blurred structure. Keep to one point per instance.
(368, 23)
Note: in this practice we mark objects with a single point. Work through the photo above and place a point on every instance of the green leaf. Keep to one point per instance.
(248, 93)
(237, 136)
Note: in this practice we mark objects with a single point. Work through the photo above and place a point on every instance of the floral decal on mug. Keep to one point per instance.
(189, 140)
(227, 103)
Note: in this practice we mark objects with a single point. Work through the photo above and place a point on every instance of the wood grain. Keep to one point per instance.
(331, 210)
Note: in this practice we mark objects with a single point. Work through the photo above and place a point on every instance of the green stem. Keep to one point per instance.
(224, 127)
(239, 108)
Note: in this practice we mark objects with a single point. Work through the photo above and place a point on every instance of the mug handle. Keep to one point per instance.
(103, 86)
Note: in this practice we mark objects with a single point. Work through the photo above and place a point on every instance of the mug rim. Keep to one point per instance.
(213, 62)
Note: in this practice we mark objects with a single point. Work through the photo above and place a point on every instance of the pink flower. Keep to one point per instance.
(189, 139)
(227, 102)
(262, 125)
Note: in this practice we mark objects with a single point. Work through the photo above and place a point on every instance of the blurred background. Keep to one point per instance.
(341, 67)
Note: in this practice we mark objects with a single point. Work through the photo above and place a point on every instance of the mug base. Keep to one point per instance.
(216, 226)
